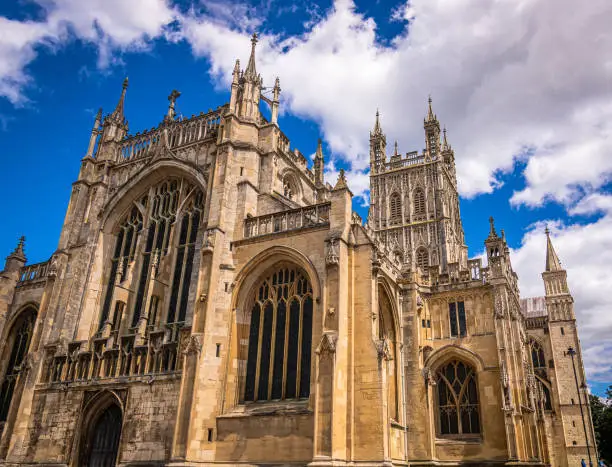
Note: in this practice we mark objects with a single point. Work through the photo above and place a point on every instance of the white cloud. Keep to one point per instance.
(112, 25)
(510, 79)
(593, 203)
(586, 252)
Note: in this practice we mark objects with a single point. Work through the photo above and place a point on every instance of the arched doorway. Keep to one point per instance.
(102, 445)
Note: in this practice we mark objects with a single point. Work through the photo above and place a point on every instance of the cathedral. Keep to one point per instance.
(214, 301)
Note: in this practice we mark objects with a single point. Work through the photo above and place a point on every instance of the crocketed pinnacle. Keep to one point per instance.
(341, 183)
(18, 251)
(431, 116)
(377, 128)
(118, 113)
(552, 260)
(251, 71)
(319, 153)
(492, 232)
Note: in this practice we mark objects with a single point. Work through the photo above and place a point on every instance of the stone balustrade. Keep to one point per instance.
(33, 272)
(283, 221)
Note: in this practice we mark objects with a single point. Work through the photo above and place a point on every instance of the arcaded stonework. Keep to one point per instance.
(212, 301)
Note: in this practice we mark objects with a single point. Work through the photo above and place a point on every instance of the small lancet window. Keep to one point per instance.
(456, 312)
(422, 260)
(537, 355)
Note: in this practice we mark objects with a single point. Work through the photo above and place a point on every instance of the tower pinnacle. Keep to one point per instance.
(118, 113)
(250, 69)
(552, 260)
(431, 116)
(377, 128)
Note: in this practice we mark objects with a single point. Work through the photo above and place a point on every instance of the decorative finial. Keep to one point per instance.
(341, 183)
(254, 38)
(377, 127)
(125, 82)
(396, 151)
(174, 95)
(546, 231)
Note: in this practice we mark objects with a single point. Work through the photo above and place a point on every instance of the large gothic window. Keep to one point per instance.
(16, 349)
(280, 337)
(395, 209)
(458, 409)
(168, 217)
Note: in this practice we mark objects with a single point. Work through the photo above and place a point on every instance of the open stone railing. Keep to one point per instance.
(174, 134)
(283, 221)
(33, 272)
(412, 158)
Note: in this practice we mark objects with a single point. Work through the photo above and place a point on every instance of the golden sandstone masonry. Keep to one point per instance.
(212, 301)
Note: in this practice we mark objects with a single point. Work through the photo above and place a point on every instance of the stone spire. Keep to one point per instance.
(396, 152)
(552, 260)
(319, 163)
(492, 232)
(251, 72)
(118, 114)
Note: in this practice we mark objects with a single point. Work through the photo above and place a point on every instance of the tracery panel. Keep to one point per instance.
(458, 406)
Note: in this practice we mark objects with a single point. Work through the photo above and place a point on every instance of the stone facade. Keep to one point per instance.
(212, 301)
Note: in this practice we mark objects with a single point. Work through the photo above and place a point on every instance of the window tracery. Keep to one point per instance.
(280, 337)
(537, 355)
(458, 407)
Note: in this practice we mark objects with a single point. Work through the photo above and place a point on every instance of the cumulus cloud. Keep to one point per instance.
(586, 252)
(111, 25)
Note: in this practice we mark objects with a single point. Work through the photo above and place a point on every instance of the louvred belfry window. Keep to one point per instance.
(422, 260)
(395, 206)
(458, 408)
(419, 202)
(280, 337)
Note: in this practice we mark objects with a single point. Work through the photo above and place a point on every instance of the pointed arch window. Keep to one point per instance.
(419, 202)
(172, 212)
(395, 208)
(16, 349)
(457, 401)
(280, 337)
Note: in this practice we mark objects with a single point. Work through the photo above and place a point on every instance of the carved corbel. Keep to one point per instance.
(194, 345)
(383, 349)
(327, 346)
(332, 257)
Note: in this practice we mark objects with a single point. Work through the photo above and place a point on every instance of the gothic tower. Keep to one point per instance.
(567, 369)
(414, 205)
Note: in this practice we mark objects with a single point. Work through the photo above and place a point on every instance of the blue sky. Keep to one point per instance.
(528, 108)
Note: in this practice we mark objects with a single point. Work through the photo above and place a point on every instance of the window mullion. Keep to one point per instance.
(259, 345)
(272, 343)
(298, 368)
